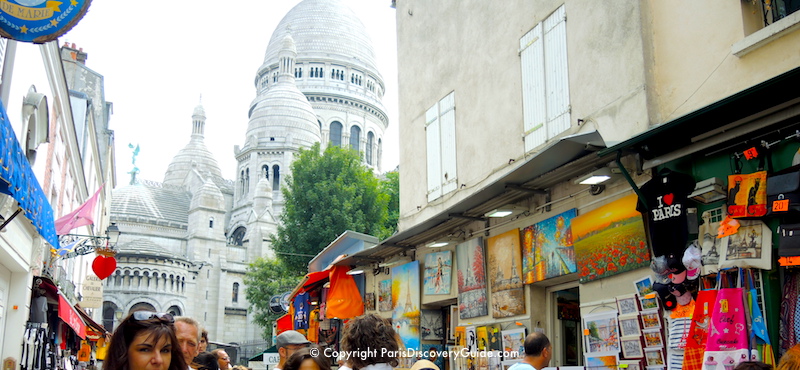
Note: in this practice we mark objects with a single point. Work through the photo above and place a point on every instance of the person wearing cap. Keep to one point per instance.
(288, 343)
(538, 352)
(424, 365)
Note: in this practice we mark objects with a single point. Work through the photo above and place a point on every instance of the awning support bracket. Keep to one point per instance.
(627, 176)
(8, 220)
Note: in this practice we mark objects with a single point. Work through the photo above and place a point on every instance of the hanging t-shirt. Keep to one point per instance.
(666, 218)
(301, 310)
(313, 326)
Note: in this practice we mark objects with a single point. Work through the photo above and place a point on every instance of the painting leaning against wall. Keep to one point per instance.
(471, 275)
(610, 240)
(505, 274)
(547, 250)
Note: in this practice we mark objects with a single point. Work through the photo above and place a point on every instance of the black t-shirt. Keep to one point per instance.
(666, 196)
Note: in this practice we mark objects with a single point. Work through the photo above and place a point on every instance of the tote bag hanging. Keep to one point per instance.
(761, 348)
(728, 343)
(698, 330)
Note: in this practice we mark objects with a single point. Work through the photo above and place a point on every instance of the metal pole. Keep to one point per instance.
(8, 70)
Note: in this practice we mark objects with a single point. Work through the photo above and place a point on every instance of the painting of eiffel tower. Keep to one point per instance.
(406, 304)
(505, 274)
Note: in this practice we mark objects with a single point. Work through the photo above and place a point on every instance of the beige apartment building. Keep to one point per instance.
(511, 104)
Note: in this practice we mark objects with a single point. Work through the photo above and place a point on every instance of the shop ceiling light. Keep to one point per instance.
(505, 211)
(709, 191)
(437, 244)
(393, 263)
(595, 177)
(355, 272)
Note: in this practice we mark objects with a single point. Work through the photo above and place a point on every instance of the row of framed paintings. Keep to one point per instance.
(653, 359)
(631, 304)
(632, 346)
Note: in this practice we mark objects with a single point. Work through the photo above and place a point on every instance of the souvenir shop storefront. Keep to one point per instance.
(720, 210)
(682, 260)
(330, 294)
(59, 333)
(26, 228)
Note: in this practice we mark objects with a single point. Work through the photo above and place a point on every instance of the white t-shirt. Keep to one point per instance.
(522, 366)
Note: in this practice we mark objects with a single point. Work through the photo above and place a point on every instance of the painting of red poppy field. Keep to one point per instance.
(610, 240)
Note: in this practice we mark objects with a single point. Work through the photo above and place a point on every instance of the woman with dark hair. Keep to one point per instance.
(145, 341)
(305, 359)
(372, 343)
(205, 361)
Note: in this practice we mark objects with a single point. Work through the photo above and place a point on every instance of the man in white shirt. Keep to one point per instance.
(538, 352)
(288, 343)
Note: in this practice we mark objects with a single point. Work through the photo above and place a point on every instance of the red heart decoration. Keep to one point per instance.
(104, 266)
(668, 198)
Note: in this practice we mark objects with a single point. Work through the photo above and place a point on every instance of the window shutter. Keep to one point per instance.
(448, 136)
(556, 75)
(533, 88)
(433, 153)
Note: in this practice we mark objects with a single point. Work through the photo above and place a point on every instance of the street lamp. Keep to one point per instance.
(74, 245)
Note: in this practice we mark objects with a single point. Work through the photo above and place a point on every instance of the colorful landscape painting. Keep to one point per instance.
(385, 295)
(472, 300)
(547, 250)
(610, 240)
(405, 304)
(438, 270)
(505, 274)
(606, 362)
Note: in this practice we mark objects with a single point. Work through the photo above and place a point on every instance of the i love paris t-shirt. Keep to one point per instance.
(665, 216)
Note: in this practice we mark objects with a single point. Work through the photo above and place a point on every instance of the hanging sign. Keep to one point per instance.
(39, 21)
(92, 292)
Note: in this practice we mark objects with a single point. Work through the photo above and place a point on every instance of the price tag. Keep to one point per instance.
(586, 332)
(789, 261)
(780, 205)
(723, 305)
(751, 153)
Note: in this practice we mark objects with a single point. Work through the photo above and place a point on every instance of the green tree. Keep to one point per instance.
(391, 187)
(266, 278)
(327, 193)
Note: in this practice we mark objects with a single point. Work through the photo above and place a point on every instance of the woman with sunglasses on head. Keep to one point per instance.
(145, 341)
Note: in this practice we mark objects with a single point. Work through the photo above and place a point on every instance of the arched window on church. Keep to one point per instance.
(237, 237)
(336, 133)
(380, 152)
(241, 181)
(247, 181)
(235, 293)
(355, 137)
(211, 222)
(276, 177)
(265, 171)
(370, 141)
